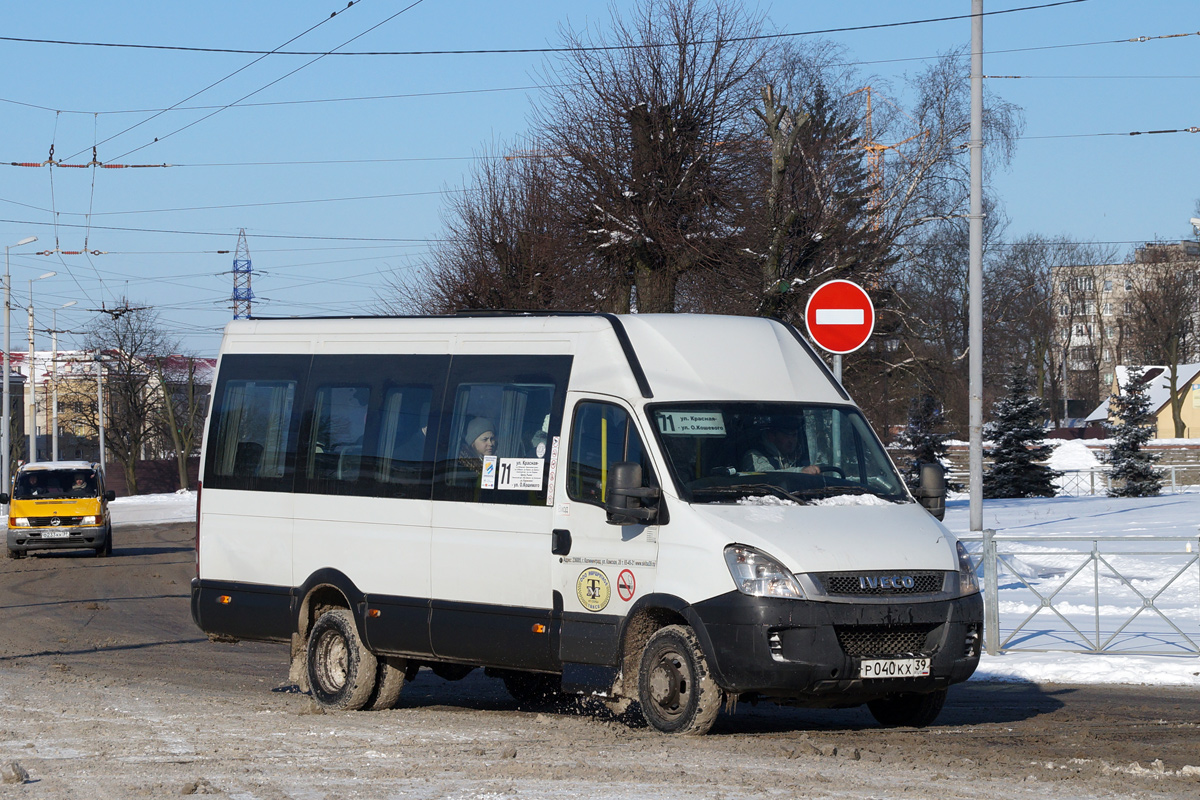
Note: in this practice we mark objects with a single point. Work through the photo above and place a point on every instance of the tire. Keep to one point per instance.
(16, 553)
(675, 687)
(341, 671)
(907, 709)
(105, 550)
(389, 681)
(533, 688)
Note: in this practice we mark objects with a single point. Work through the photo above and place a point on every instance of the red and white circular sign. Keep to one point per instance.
(625, 585)
(840, 316)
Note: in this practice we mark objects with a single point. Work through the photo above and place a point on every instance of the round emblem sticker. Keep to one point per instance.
(592, 589)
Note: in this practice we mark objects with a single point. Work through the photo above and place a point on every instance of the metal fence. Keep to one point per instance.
(1068, 593)
(1176, 478)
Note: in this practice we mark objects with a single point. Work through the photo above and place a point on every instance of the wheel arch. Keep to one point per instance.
(649, 614)
(327, 588)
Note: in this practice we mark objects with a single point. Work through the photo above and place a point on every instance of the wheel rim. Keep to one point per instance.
(669, 683)
(333, 662)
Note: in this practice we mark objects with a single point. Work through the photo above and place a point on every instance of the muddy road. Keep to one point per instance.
(107, 690)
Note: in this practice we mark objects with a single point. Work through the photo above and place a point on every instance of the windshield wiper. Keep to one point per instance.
(830, 491)
(762, 488)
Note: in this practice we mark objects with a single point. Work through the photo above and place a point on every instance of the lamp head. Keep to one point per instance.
(26, 240)
(1195, 222)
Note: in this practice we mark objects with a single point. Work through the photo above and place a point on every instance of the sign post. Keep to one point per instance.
(840, 318)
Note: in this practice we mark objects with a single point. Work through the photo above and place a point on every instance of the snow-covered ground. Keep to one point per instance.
(1049, 566)
(1043, 566)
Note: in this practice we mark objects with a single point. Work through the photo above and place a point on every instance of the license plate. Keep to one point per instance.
(894, 668)
(55, 534)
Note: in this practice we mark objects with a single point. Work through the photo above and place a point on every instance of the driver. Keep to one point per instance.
(780, 449)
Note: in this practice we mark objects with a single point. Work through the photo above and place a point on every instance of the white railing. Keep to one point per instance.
(1176, 478)
(1133, 595)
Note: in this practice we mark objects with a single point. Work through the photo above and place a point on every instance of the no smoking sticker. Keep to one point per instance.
(626, 585)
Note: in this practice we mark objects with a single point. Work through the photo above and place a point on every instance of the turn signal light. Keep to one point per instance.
(373, 613)
(224, 599)
(539, 628)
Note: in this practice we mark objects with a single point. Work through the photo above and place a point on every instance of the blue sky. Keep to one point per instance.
(332, 255)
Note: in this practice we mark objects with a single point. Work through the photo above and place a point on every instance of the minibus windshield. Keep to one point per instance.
(726, 452)
(66, 483)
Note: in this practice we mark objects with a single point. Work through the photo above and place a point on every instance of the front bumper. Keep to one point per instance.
(25, 539)
(810, 652)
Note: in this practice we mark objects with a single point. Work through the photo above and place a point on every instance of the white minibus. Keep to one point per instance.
(673, 511)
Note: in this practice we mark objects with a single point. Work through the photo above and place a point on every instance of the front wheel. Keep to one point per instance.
(341, 670)
(675, 688)
(907, 709)
(16, 553)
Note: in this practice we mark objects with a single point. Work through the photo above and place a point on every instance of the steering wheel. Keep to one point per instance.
(831, 468)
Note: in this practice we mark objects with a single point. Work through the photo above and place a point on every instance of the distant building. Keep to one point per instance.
(1093, 307)
(1158, 391)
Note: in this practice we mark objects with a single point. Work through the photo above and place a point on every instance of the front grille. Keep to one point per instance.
(881, 583)
(48, 522)
(891, 640)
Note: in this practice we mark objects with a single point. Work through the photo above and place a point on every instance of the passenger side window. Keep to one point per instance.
(254, 438)
(403, 433)
(601, 435)
(504, 417)
(339, 420)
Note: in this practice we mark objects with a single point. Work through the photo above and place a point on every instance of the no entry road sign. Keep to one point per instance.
(840, 316)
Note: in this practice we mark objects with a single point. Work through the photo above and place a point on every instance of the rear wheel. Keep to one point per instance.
(675, 688)
(389, 681)
(907, 709)
(341, 670)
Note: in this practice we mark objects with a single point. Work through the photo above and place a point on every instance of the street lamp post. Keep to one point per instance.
(6, 445)
(54, 381)
(31, 411)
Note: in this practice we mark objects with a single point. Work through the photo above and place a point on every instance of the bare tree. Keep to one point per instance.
(1166, 298)
(129, 338)
(505, 245)
(650, 139)
(184, 402)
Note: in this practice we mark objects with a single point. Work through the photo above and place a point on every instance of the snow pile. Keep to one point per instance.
(147, 509)
(852, 500)
(1072, 454)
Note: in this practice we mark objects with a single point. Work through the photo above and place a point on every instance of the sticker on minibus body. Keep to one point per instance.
(691, 423)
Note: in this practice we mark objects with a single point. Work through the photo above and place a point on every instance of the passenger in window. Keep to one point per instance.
(479, 441)
(780, 449)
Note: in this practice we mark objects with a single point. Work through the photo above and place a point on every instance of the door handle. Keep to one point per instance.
(560, 542)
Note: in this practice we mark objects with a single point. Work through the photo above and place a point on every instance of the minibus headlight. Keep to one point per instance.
(87, 520)
(20, 522)
(759, 575)
(967, 580)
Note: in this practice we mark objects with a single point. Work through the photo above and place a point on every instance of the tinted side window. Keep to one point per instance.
(368, 422)
(254, 430)
(505, 412)
(601, 435)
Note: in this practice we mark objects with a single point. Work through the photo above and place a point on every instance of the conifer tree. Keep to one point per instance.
(922, 436)
(1133, 473)
(1017, 433)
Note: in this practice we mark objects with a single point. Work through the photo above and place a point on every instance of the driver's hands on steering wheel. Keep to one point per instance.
(811, 469)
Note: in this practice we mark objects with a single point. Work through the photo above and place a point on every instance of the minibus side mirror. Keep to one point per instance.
(4, 498)
(624, 494)
(110, 495)
(931, 489)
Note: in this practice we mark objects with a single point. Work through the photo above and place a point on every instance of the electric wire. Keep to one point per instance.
(352, 3)
(307, 64)
(583, 49)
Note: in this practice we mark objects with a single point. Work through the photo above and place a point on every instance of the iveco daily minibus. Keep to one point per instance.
(676, 511)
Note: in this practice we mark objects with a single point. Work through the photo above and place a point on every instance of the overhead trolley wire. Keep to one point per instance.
(227, 77)
(506, 51)
(305, 65)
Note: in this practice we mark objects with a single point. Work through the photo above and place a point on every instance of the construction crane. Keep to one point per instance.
(875, 151)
